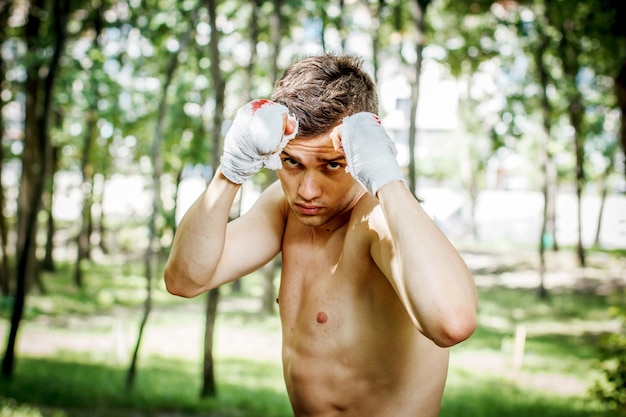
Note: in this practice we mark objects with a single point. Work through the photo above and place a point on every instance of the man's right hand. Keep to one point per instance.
(259, 133)
(370, 152)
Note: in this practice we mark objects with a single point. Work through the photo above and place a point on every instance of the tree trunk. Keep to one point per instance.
(571, 67)
(31, 186)
(209, 388)
(604, 187)
(620, 87)
(209, 385)
(323, 25)
(375, 11)
(24, 267)
(35, 157)
(153, 248)
(83, 238)
(98, 198)
(268, 298)
(343, 33)
(48, 260)
(254, 40)
(5, 274)
(472, 188)
(276, 36)
(83, 246)
(545, 160)
(4, 233)
(418, 10)
(603, 194)
(61, 10)
(575, 112)
(269, 271)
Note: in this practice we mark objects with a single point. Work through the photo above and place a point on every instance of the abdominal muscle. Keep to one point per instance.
(349, 347)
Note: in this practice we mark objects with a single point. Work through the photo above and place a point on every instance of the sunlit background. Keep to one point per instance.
(509, 126)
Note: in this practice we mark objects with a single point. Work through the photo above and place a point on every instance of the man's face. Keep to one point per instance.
(315, 181)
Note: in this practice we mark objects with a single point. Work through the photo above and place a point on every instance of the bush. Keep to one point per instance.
(611, 390)
(10, 408)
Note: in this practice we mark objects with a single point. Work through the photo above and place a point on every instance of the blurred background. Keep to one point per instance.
(509, 122)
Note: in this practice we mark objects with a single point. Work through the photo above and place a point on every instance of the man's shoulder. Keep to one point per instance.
(271, 200)
(366, 207)
(368, 217)
(274, 193)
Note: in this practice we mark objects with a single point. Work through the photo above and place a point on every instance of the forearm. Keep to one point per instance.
(436, 286)
(199, 240)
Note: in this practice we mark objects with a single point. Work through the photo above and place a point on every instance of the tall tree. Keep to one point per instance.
(418, 14)
(253, 39)
(209, 386)
(578, 28)
(558, 38)
(270, 270)
(153, 247)
(616, 32)
(87, 171)
(47, 263)
(5, 10)
(377, 10)
(620, 89)
(547, 235)
(37, 149)
(570, 52)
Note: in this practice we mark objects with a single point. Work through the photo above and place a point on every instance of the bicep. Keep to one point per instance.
(253, 239)
(381, 244)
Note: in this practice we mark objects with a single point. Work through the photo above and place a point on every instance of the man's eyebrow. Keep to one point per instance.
(335, 159)
(320, 159)
(286, 154)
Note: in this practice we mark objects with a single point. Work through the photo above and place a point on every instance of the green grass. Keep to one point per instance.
(496, 397)
(562, 335)
(246, 389)
(97, 389)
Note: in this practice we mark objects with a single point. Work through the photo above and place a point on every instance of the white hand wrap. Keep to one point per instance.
(255, 140)
(370, 152)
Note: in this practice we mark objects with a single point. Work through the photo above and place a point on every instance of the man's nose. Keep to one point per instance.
(310, 186)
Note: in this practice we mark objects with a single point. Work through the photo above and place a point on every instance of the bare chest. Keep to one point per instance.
(315, 274)
(327, 288)
(320, 276)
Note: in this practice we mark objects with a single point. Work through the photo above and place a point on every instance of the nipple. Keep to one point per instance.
(322, 317)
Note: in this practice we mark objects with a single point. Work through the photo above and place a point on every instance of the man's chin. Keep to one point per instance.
(311, 221)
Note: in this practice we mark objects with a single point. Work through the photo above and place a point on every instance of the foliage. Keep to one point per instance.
(611, 390)
(10, 408)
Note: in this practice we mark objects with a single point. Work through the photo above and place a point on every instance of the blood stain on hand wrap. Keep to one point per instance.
(257, 104)
(255, 139)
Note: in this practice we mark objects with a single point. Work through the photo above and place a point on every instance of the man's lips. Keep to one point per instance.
(308, 209)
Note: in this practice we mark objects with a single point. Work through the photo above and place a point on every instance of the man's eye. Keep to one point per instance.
(289, 162)
(334, 166)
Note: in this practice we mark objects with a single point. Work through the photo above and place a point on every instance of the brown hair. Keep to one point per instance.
(321, 90)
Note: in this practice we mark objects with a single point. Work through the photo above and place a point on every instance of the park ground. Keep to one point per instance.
(537, 351)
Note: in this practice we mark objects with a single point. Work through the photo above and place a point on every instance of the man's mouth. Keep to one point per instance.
(308, 209)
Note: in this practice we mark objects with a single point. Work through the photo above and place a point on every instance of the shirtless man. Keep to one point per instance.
(371, 293)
